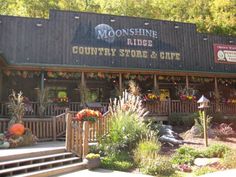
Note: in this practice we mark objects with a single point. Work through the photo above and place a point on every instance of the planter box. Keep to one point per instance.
(93, 163)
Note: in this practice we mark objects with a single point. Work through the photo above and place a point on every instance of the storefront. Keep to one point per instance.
(72, 53)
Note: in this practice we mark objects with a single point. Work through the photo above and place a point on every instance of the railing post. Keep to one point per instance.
(85, 138)
(100, 126)
(68, 131)
(169, 106)
(54, 128)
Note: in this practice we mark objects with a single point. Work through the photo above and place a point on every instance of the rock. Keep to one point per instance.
(168, 139)
(167, 135)
(211, 133)
(200, 162)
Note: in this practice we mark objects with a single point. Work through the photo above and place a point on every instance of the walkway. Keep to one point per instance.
(103, 173)
(226, 173)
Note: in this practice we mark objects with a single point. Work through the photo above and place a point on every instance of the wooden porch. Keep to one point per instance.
(52, 125)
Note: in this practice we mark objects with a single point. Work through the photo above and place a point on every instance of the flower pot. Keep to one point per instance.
(93, 163)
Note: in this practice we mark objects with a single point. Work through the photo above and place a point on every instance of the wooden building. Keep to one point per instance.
(103, 52)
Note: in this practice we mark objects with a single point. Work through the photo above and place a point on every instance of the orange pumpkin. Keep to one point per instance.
(17, 129)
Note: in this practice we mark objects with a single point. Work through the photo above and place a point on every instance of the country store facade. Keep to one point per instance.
(171, 62)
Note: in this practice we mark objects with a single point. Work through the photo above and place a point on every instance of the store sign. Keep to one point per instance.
(225, 53)
(108, 34)
(104, 40)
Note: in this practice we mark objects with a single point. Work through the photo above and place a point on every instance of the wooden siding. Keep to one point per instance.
(23, 42)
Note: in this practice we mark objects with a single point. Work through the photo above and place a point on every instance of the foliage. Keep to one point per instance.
(16, 107)
(185, 155)
(120, 161)
(228, 160)
(210, 16)
(215, 150)
(160, 165)
(84, 93)
(204, 170)
(182, 119)
(92, 156)
(43, 100)
(146, 149)
(224, 130)
(125, 131)
(128, 104)
(199, 122)
(133, 88)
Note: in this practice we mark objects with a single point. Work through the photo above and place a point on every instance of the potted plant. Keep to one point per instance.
(93, 160)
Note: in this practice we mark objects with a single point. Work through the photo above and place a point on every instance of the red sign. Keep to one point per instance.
(225, 53)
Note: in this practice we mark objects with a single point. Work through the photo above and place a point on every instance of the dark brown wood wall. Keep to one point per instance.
(24, 43)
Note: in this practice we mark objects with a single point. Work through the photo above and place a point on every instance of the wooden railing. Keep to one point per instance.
(79, 134)
(45, 129)
(52, 109)
(177, 106)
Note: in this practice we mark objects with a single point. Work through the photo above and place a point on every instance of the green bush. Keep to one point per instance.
(204, 170)
(125, 131)
(216, 150)
(229, 159)
(116, 164)
(182, 119)
(185, 155)
(158, 166)
(146, 149)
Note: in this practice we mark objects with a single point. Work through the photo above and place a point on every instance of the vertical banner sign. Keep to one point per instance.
(225, 53)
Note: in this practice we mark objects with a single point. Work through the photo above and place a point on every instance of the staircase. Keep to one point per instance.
(46, 163)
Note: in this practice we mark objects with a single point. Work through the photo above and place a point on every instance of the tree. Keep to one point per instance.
(216, 16)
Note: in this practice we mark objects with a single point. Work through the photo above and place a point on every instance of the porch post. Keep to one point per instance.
(1, 84)
(155, 81)
(187, 82)
(42, 81)
(217, 96)
(82, 79)
(120, 82)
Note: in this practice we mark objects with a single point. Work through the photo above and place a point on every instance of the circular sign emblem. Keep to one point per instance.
(220, 55)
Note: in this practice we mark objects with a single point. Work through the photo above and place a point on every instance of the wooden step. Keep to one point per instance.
(38, 166)
(28, 154)
(39, 158)
(55, 171)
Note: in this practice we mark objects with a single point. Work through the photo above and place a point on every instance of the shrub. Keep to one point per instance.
(185, 155)
(115, 163)
(216, 150)
(126, 130)
(182, 119)
(158, 166)
(229, 159)
(146, 149)
(204, 170)
(224, 130)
